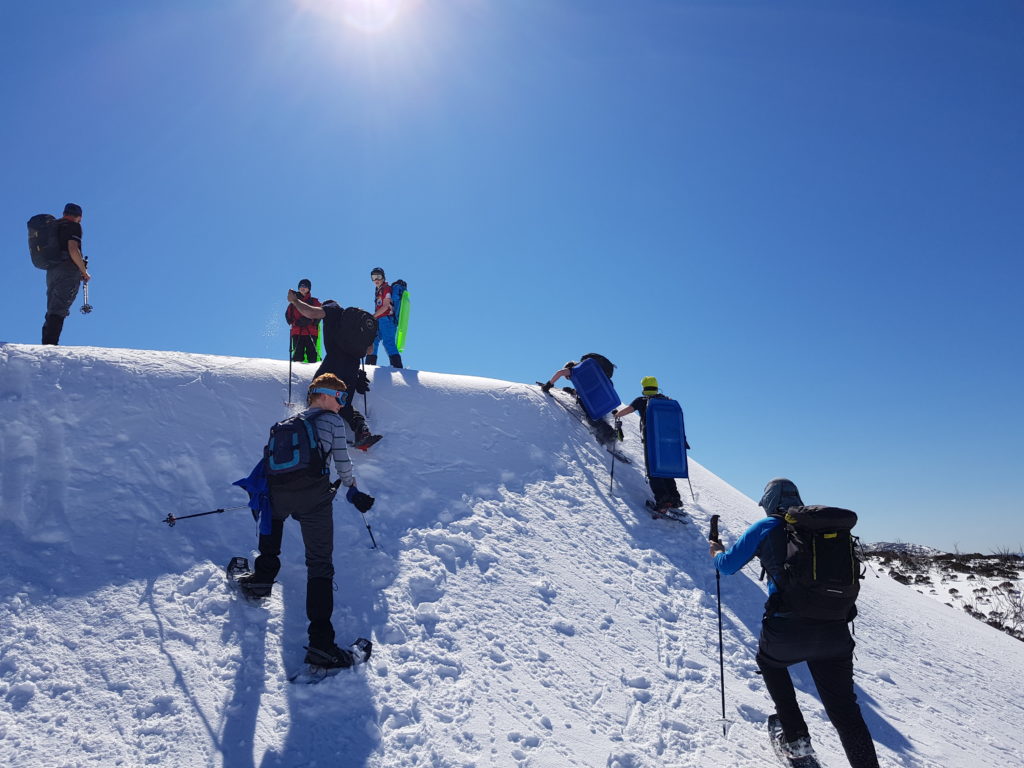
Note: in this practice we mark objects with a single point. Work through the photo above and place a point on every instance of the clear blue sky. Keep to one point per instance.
(806, 218)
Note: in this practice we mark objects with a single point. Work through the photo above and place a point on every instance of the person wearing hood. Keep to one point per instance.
(826, 646)
(304, 332)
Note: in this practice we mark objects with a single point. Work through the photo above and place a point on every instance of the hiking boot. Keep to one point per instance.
(364, 440)
(371, 359)
(395, 360)
(333, 657)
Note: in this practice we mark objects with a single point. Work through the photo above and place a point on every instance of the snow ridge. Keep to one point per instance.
(523, 613)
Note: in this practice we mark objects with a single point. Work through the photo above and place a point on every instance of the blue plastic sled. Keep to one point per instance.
(666, 439)
(595, 390)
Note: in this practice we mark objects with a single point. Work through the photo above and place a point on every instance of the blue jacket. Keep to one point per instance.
(765, 539)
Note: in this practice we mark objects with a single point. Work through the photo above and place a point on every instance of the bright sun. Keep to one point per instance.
(365, 15)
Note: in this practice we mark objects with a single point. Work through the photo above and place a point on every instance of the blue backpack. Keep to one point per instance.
(293, 448)
(397, 289)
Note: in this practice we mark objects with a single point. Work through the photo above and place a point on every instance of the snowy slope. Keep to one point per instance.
(522, 614)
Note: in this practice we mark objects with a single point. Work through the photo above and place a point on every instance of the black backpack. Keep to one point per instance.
(43, 245)
(357, 329)
(822, 572)
(293, 448)
(601, 360)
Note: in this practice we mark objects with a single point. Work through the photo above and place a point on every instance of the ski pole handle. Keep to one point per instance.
(713, 536)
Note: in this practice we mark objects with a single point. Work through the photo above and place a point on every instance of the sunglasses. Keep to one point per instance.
(377, 278)
(339, 395)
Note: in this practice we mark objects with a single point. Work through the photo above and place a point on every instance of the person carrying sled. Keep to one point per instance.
(666, 494)
(63, 279)
(308, 496)
(387, 321)
(304, 332)
(786, 639)
(339, 360)
(605, 433)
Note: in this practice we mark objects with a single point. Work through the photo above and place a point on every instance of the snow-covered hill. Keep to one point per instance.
(523, 614)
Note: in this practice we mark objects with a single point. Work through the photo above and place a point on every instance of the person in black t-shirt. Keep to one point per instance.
(339, 362)
(62, 280)
(666, 495)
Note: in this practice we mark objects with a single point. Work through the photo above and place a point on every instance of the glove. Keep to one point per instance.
(361, 501)
(545, 387)
(618, 429)
(362, 382)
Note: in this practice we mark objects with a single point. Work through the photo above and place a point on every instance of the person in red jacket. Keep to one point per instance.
(305, 332)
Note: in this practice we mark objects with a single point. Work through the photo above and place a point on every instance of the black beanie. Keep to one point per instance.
(305, 282)
(72, 209)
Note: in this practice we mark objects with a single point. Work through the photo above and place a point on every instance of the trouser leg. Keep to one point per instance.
(834, 680)
(355, 420)
(269, 561)
(386, 331)
(52, 326)
(317, 525)
(62, 282)
(665, 491)
(319, 607)
(780, 687)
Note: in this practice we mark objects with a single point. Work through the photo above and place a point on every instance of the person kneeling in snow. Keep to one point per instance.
(308, 496)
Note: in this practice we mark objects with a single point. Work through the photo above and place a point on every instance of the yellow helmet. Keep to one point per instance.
(650, 385)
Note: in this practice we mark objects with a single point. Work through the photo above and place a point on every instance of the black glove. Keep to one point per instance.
(361, 501)
(362, 382)
(545, 387)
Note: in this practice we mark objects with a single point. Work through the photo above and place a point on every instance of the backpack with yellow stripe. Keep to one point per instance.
(822, 572)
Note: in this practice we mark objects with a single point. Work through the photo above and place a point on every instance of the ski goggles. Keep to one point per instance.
(338, 394)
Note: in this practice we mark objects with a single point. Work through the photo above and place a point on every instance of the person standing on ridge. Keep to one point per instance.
(825, 644)
(62, 280)
(307, 496)
(666, 494)
(387, 316)
(304, 332)
(339, 360)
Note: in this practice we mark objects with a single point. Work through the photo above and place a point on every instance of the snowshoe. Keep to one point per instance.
(239, 574)
(666, 512)
(794, 754)
(323, 663)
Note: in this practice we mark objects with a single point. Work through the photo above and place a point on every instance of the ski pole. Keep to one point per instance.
(368, 529)
(691, 488)
(611, 482)
(86, 307)
(171, 519)
(713, 536)
(290, 356)
(362, 367)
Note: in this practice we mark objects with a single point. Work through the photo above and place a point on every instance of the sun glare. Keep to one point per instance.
(370, 16)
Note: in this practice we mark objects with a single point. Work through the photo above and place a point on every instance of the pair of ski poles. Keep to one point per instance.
(171, 518)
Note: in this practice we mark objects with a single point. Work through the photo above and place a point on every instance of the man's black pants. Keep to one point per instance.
(827, 647)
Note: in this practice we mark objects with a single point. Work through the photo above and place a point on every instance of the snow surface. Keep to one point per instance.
(522, 615)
